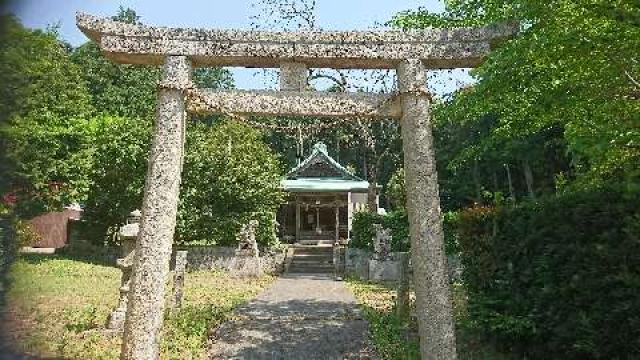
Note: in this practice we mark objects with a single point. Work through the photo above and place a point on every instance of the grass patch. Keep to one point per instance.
(397, 338)
(60, 304)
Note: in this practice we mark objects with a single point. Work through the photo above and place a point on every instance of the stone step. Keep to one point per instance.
(316, 242)
(311, 269)
(313, 256)
(313, 250)
(310, 263)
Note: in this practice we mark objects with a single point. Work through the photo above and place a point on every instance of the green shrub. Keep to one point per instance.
(397, 221)
(26, 235)
(363, 231)
(559, 277)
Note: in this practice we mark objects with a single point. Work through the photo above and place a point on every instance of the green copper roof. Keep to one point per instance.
(321, 155)
(321, 173)
(324, 185)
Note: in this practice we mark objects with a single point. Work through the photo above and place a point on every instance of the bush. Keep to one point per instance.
(560, 276)
(363, 231)
(26, 235)
(398, 222)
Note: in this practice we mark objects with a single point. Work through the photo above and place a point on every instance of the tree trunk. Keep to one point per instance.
(372, 192)
(528, 178)
(511, 191)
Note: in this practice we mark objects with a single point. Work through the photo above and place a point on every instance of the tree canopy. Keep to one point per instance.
(565, 89)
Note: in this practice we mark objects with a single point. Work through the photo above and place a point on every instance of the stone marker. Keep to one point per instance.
(246, 238)
(127, 235)
(381, 242)
(179, 273)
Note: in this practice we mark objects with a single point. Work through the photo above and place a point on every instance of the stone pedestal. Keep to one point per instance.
(384, 270)
(247, 266)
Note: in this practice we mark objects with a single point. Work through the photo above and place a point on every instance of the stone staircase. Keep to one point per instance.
(311, 260)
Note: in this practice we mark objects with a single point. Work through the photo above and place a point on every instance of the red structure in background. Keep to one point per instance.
(54, 227)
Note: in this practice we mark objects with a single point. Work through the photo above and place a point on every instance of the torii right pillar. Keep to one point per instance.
(431, 279)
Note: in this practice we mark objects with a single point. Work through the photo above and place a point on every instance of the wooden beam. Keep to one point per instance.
(294, 103)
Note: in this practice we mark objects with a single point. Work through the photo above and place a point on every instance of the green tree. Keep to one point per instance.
(130, 90)
(574, 68)
(44, 106)
(120, 150)
(230, 177)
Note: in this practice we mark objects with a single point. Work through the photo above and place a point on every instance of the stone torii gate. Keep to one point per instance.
(179, 50)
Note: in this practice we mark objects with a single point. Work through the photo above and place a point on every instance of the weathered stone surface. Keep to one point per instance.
(384, 270)
(433, 299)
(145, 310)
(294, 103)
(439, 48)
(225, 259)
(293, 76)
(246, 238)
(403, 301)
(127, 235)
(381, 242)
(357, 262)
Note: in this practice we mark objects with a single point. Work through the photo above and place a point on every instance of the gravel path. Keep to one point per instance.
(301, 316)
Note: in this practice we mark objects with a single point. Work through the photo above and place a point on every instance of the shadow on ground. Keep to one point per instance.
(290, 321)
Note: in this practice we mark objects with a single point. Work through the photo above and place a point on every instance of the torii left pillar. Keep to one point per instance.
(141, 340)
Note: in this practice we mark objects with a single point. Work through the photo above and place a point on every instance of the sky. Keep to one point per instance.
(227, 14)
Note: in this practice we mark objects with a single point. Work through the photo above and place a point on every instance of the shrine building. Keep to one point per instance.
(322, 197)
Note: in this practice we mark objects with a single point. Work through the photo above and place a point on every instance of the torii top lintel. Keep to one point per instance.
(437, 48)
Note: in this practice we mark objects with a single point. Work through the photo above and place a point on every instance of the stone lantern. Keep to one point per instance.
(127, 235)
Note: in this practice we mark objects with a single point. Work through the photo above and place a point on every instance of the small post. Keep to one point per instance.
(178, 279)
(402, 297)
(338, 262)
(145, 312)
(337, 222)
(430, 275)
(293, 76)
(298, 214)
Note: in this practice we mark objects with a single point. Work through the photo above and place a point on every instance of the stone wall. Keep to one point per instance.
(225, 258)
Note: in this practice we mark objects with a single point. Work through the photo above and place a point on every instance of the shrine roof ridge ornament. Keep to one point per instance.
(437, 48)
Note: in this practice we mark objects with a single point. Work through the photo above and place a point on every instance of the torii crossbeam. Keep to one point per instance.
(179, 50)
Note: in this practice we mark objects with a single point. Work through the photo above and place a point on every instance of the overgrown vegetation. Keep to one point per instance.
(557, 277)
(395, 337)
(363, 231)
(60, 305)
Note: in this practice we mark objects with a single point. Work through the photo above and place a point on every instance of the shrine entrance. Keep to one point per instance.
(411, 54)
